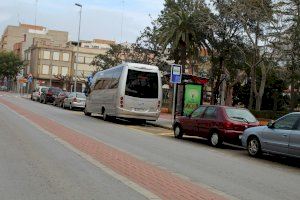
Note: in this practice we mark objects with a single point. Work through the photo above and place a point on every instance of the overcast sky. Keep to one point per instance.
(101, 19)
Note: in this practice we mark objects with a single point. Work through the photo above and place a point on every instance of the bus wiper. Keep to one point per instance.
(241, 118)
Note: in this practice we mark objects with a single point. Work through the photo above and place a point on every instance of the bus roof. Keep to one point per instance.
(139, 65)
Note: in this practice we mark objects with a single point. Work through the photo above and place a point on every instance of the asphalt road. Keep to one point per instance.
(34, 166)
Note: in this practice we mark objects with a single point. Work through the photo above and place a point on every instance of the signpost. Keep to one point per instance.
(176, 76)
(29, 81)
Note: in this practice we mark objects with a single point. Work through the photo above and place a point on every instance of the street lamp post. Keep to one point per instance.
(76, 59)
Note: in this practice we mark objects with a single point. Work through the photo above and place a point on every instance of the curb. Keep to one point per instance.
(159, 125)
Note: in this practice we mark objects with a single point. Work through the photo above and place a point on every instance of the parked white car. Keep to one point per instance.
(75, 100)
(36, 94)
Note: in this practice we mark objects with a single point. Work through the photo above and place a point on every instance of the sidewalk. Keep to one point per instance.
(164, 121)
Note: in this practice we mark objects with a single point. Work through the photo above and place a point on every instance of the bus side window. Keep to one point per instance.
(98, 85)
(116, 77)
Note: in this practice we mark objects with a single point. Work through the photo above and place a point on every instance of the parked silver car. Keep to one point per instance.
(279, 137)
(36, 94)
(75, 100)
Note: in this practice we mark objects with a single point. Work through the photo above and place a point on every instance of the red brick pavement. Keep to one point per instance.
(159, 181)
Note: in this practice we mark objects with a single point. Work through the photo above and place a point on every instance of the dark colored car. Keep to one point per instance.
(217, 123)
(59, 100)
(49, 95)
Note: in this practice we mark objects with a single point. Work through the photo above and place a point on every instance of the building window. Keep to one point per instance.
(45, 69)
(64, 71)
(46, 55)
(55, 55)
(54, 70)
(66, 57)
(86, 46)
(88, 60)
(80, 59)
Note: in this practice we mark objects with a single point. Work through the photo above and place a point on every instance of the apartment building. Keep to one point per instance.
(50, 63)
(87, 50)
(19, 38)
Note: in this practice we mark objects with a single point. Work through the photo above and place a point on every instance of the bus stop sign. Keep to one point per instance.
(176, 72)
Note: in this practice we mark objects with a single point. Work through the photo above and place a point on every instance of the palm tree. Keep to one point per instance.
(179, 26)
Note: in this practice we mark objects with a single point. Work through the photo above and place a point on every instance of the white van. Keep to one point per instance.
(130, 90)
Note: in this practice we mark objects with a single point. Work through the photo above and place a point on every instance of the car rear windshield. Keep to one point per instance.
(80, 95)
(56, 90)
(142, 84)
(241, 115)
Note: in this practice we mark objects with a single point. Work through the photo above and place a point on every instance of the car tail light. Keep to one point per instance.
(158, 104)
(121, 102)
(74, 99)
(39, 93)
(228, 125)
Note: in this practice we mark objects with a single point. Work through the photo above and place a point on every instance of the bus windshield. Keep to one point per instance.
(142, 84)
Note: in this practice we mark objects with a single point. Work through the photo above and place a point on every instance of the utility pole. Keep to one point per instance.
(78, 41)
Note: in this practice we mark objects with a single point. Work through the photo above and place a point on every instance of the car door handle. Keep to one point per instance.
(285, 135)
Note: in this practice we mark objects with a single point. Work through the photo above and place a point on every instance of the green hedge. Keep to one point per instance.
(268, 114)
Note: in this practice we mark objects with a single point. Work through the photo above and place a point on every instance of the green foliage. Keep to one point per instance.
(268, 114)
(112, 58)
(10, 65)
(179, 27)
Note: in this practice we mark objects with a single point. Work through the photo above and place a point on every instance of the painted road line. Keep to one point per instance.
(154, 179)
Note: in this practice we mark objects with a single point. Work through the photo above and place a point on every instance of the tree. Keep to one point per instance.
(291, 45)
(258, 22)
(225, 44)
(10, 65)
(112, 58)
(177, 27)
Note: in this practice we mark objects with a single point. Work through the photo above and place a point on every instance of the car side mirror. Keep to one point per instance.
(271, 124)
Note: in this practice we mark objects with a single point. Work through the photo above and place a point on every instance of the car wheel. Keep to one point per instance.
(253, 147)
(86, 113)
(178, 131)
(215, 139)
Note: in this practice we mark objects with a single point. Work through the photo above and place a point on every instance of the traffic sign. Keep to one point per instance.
(176, 73)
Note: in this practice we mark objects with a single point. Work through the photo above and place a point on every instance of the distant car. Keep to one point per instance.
(217, 123)
(59, 100)
(75, 100)
(36, 94)
(279, 137)
(49, 94)
(3, 88)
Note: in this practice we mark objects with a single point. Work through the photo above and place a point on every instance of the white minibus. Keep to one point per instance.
(130, 90)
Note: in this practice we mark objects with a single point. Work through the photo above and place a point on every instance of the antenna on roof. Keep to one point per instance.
(18, 18)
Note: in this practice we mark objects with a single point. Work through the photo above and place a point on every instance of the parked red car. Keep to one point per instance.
(217, 123)
(59, 99)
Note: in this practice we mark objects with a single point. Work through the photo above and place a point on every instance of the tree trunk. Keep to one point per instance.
(260, 93)
(292, 94)
(229, 95)
(250, 107)
(183, 56)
